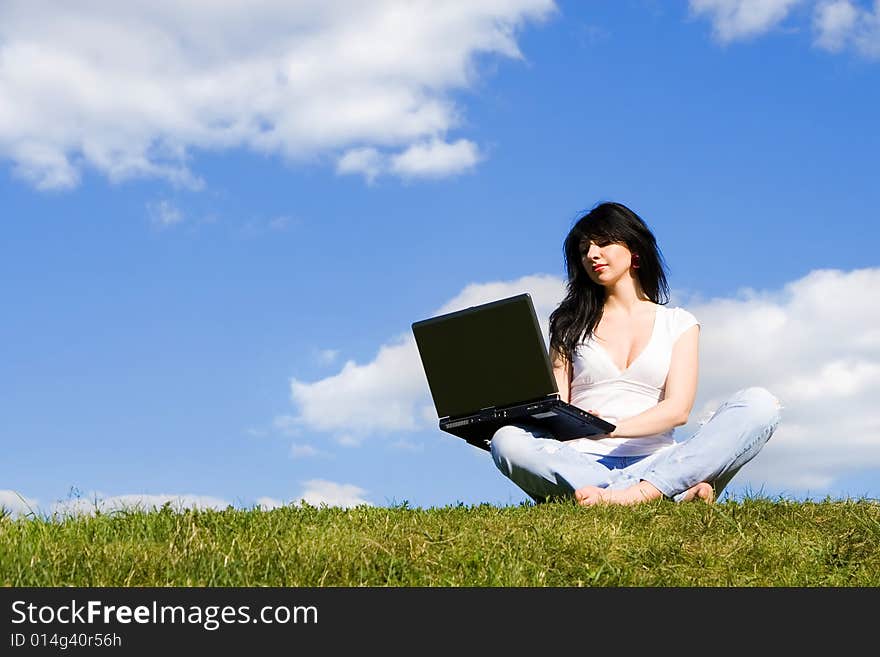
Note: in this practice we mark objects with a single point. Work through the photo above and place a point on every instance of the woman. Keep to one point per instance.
(620, 353)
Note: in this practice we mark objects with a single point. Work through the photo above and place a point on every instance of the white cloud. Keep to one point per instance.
(834, 21)
(17, 504)
(436, 159)
(741, 19)
(839, 379)
(366, 161)
(837, 24)
(134, 88)
(431, 159)
(814, 344)
(546, 292)
(319, 492)
(378, 395)
(840, 24)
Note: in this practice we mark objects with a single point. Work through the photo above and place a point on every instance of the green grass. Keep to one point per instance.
(750, 542)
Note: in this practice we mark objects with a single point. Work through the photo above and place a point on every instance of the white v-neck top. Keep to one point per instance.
(599, 384)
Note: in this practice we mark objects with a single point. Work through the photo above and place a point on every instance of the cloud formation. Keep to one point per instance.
(840, 24)
(837, 25)
(320, 492)
(132, 89)
(813, 343)
(816, 345)
(137, 89)
(741, 19)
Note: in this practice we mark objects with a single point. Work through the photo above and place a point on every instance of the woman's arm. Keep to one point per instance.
(562, 373)
(681, 391)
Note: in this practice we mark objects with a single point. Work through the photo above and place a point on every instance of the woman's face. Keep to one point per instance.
(605, 262)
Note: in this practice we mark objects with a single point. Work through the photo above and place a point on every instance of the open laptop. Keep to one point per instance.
(488, 366)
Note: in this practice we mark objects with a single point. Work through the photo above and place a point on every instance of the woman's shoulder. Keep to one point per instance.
(675, 310)
(677, 318)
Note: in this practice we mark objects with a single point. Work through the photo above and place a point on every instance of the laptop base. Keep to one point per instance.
(564, 420)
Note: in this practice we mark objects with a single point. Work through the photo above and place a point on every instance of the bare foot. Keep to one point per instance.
(702, 491)
(641, 492)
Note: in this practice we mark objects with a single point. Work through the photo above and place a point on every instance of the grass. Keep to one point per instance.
(752, 542)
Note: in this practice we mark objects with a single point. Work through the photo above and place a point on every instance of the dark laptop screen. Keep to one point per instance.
(487, 355)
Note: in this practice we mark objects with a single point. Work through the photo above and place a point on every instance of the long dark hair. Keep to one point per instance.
(579, 312)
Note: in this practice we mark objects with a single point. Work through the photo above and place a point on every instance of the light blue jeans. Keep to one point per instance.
(545, 467)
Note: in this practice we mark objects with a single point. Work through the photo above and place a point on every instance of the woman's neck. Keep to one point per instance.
(624, 301)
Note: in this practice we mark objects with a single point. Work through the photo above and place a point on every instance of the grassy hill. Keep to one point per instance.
(750, 542)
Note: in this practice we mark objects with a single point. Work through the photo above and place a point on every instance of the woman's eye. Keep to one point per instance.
(601, 244)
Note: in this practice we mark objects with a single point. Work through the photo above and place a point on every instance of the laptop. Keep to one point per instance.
(488, 366)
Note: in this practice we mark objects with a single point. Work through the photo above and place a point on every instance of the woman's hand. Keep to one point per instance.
(593, 411)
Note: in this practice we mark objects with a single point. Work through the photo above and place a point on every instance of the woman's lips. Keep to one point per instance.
(599, 268)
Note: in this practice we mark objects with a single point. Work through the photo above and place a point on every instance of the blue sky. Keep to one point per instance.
(219, 223)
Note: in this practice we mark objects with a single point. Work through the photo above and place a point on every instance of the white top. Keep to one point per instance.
(597, 383)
